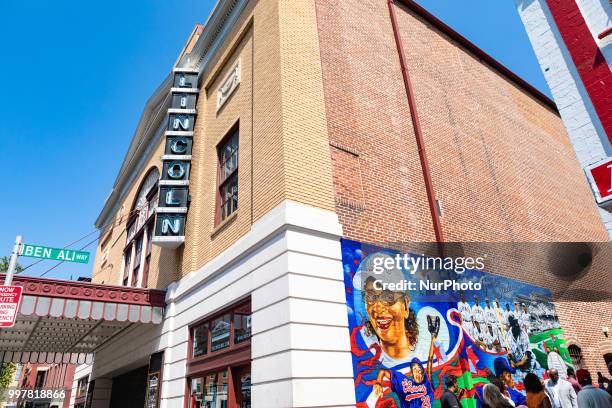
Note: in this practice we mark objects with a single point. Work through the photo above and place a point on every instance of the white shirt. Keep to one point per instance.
(562, 394)
(504, 315)
(490, 316)
(554, 393)
(466, 311)
(478, 313)
(524, 320)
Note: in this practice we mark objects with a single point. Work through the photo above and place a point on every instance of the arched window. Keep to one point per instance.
(137, 252)
(575, 353)
(608, 360)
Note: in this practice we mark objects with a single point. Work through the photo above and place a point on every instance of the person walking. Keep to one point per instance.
(589, 396)
(561, 391)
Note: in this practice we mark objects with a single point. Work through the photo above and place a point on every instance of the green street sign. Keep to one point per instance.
(67, 255)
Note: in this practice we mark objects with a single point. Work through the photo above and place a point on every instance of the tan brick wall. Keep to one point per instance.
(283, 130)
(163, 261)
(203, 238)
(307, 162)
(501, 163)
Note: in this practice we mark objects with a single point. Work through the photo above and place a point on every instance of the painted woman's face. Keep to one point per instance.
(387, 311)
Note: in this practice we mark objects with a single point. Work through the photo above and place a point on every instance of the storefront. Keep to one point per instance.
(219, 364)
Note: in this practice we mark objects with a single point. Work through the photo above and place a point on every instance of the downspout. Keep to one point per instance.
(416, 124)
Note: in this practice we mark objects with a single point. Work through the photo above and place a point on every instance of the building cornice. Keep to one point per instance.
(147, 134)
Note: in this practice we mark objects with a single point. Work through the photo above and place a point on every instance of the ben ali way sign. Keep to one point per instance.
(67, 255)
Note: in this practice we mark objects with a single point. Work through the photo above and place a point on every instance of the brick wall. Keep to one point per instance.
(113, 239)
(502, 164)
(283, 129)
(283, 152)
(57, 377)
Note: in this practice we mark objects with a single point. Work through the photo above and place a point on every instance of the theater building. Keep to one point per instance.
(285, 130)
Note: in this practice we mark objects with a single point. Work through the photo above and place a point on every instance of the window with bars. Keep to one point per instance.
(575, 353)
(227, 194)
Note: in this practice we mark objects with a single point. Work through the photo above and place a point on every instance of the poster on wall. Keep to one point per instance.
(413, 323)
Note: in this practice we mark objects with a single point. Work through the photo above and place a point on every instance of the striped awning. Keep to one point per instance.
(66, 321)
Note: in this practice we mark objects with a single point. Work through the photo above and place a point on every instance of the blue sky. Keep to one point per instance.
(75, 76)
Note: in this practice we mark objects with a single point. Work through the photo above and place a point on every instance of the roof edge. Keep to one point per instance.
(478, 52)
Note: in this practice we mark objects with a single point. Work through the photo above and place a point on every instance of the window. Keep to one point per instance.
(82, 387)
(145, 268)
(227, 195)
(242, 325)
(200, 340)
(128, 260)
(137, 257)
(40, 379)
(210, 391)
(608, 360)
(575, 353)
(18, 371)
(221, 332)
(140, 232)
(219, 363)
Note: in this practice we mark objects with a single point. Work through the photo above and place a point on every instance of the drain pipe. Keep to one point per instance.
(431, 198)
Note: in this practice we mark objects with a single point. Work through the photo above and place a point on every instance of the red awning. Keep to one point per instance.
(66, 321)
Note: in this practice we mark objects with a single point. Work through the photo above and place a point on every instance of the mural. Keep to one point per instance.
(405, 341)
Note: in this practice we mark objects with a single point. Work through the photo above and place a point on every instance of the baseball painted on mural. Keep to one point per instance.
(406, 342)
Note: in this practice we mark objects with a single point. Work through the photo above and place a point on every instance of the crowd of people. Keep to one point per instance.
(577, 391)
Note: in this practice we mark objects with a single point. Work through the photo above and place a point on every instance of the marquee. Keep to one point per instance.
(65, 321)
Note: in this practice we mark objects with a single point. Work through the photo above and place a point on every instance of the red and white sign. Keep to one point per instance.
(10, 298)
(601, 177)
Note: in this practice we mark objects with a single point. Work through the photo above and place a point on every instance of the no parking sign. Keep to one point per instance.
(10, 298)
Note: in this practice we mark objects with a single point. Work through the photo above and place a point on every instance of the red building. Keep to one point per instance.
(54, 381)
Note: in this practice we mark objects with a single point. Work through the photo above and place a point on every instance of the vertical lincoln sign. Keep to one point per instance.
(174, 181)
(10, 298)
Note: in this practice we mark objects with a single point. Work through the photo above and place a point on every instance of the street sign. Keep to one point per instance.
(67, 255)
(10, 298)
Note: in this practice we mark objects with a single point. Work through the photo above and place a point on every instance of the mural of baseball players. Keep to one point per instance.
(406, 342)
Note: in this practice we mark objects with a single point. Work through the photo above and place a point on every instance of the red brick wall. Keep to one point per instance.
(58, 376)
(501, 162)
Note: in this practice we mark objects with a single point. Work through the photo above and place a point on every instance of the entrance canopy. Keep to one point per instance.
(65, 321)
